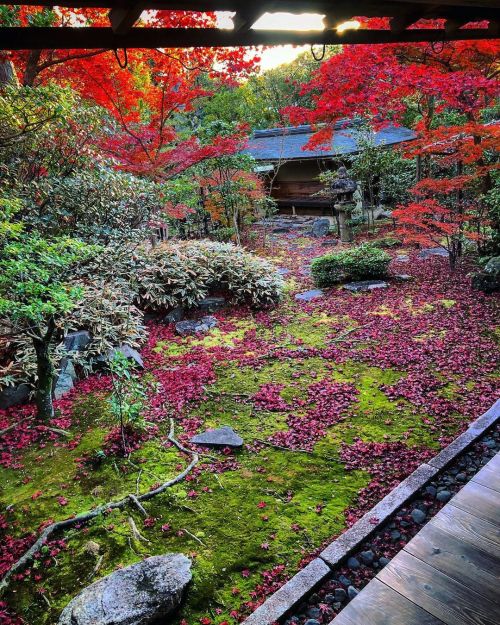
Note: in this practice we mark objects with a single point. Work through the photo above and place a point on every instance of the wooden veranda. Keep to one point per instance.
(449, 573)
(461, 19)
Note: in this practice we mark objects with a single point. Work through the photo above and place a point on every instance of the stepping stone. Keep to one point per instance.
(307, 296)
(403, 277)
(224, 436)
(195, 326)
(329, 243)
(365, 285)
(433, 251)
(402, 258)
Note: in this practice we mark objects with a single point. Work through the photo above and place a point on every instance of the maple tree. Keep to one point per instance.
(445, 92)
(143, 91)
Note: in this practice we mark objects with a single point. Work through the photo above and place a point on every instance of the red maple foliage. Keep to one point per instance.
(442, 90)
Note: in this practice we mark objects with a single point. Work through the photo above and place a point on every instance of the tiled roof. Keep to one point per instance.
(286, 143)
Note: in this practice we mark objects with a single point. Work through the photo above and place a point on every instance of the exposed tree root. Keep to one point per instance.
(85, 517)
(46, 427)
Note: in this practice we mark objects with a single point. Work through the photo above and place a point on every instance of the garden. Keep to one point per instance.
(185, 371)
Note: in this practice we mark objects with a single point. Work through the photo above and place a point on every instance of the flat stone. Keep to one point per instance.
(403, 277)
(224, 436)
(433, 251)
(402, 258)
(307, 296)
(195, 326)
(14, 396)
(329, 243)
(365, 285)
(320, 227)
(77, 341)
(284, 599)
(140, 594)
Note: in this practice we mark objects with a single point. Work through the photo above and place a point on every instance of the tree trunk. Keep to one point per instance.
(45, 372)
(7, 73)
(32, 70)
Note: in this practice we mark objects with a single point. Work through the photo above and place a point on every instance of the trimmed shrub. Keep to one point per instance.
(358, 263)
(181, 274)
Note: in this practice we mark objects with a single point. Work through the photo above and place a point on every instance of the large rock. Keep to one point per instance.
(195, 326)
(320, 227)
(14, 396)
(212, 303)
(175, 315)
(220, 437)
(66, 379)
(128, 352)
(77, 341)
(140, 594)
(365, 285)
(488, 280)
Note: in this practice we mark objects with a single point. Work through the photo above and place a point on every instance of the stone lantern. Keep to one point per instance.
(342, 190)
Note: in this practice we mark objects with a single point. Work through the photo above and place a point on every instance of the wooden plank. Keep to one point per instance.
(480, 501)
(470, 528)
(458, 559)
(377, 604)
(438, 594)
(489, 477)
(494, 463)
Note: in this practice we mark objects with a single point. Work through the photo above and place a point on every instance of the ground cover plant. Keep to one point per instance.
(337, 400)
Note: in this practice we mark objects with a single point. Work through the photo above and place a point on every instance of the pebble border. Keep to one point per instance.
(295, 589)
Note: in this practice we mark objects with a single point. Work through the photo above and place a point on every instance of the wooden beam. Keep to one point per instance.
(324, 6)
(122, 19)
(244, 19)
(22, 38)
(451, 26)
(401, 22)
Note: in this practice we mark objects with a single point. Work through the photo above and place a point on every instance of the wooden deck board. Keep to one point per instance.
(442, 596)
(383, 606)
(480, 501)
(488, 477)
(465, 525)
(458, 559)
(449, 573)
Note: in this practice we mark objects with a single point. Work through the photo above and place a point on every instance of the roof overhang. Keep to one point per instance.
(124, 14)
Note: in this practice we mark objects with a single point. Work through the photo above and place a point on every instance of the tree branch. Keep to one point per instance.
(85, 517)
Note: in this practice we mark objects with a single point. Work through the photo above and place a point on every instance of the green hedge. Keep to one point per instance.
(358, 263)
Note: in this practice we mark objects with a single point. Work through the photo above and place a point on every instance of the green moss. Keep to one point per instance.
(222, 527)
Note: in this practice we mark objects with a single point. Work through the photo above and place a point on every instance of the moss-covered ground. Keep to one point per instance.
(242, 514)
